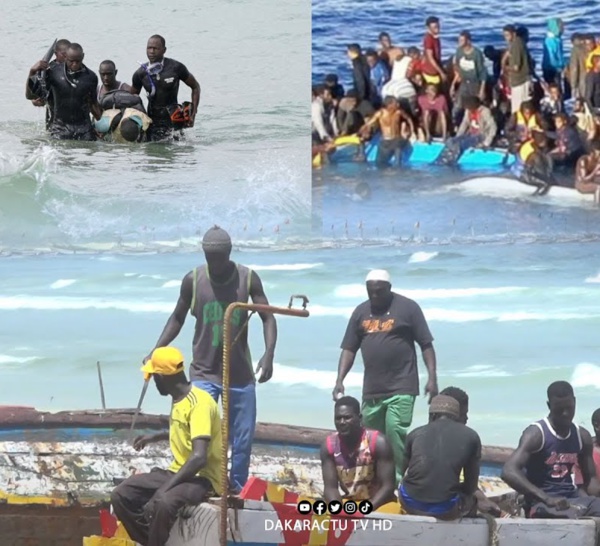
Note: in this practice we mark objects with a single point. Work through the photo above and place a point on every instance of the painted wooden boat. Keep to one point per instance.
(422, 154)
(57, 471)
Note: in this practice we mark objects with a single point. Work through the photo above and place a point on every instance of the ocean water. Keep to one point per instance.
(509, 284)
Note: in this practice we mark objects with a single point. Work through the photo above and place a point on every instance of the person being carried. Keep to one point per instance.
(541, 467)
(477, 130)
(395, 125)
(436, 454)
(121, 125)
(357, 460)
(160, 78)
(147, 504)
(73, 87)
(385, 329)
(205, 293)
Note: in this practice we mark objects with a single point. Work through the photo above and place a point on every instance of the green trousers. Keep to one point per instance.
(392, 417)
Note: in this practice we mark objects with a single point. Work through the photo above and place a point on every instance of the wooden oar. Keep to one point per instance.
(139, 407)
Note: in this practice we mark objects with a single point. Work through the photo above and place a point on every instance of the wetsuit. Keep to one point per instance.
(71, 97)
(162, 89)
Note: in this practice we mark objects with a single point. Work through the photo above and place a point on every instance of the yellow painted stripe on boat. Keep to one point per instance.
(347, 140)
(21, 499)
(275, 493)
(318, 535)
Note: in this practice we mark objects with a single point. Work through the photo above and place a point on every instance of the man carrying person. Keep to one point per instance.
(541, 466)
(160, 78)
(73, 88)
(357, 460)
(205, 293)
(436, 454)
(147, 504)
(385, 328)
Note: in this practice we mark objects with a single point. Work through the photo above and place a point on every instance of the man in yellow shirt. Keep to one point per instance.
(147, 504)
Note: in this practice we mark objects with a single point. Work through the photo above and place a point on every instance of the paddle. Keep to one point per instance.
(139, 407)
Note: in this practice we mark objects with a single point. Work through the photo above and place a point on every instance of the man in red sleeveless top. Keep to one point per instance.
(357, 460)
(542, 465)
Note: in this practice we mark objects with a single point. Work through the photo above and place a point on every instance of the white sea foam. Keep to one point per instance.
(481, 370)
(10, 359)
(46, 303)
(284, 267)
(420, 257)
(358, 291)
(63, 283)
(321, 379)
(586, 374)
(594, 280)
(172, 284)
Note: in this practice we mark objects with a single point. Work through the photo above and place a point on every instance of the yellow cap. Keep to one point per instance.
(164, 361)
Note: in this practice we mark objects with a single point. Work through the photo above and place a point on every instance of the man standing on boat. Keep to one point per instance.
(357, 460)
(205, 293)
(548, 450)
(516, 67)
(160, 78)
(385, 328)
(147, 504)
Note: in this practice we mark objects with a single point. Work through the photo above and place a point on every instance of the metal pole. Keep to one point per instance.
(101, 386)
(261, 308)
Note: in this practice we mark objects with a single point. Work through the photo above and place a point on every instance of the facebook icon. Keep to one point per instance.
(319, 507)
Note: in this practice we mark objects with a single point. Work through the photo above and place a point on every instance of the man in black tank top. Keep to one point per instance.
(205, 293)
(160, 78)
(541, 467)
(73, 87)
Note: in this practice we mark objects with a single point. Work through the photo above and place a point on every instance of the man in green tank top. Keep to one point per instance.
(206, 292)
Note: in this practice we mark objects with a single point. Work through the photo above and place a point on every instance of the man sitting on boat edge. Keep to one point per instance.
(436, 454)
(541, 467)
(358, 460)
(147, 504)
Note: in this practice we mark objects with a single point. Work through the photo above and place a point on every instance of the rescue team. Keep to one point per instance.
(413, 93)
(431, 470)
(73, 95)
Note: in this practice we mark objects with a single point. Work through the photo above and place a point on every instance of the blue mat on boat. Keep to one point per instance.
(420, 153)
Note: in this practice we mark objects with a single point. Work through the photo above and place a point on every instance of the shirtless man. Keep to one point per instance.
(392, 123)
(587, 177)
(388, 52)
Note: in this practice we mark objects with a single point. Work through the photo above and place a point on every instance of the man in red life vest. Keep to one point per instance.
(360, 461)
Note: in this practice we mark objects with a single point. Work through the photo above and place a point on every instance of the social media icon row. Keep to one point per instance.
(319, 507)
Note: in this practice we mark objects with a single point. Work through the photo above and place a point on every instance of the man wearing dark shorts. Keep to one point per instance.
(73, 87)
(206, 292)
(385, 329)
(547, 451)
(147, 504)
(436, 454)
(160, 78)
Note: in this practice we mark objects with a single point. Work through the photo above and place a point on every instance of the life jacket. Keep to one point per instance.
(180, 114)
(121, 99)
(588, 60)
(526, 150)
(525, 126)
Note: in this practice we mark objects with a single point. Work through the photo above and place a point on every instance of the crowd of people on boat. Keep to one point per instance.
(79, 106)
(431, 470)
(415, 94)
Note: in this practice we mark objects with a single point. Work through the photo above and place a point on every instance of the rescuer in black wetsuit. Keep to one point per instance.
(60, 54)
(73, 87)
(160, 78)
